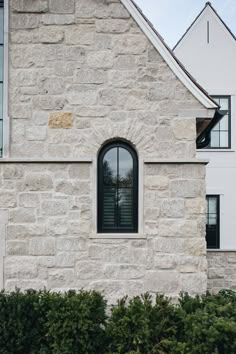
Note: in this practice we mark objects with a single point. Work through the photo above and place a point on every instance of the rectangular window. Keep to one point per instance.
(213, 221)
(1, 74)
(220, 134)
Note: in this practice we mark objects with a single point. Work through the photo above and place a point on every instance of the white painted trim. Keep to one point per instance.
(217, 250)
(166, 55)
(6, 120)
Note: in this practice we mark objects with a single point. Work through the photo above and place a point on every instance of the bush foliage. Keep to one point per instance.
(42, 322)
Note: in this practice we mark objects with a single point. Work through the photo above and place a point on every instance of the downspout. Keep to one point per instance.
(204, 138)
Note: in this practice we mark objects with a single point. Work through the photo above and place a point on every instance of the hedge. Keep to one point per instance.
(34, 322)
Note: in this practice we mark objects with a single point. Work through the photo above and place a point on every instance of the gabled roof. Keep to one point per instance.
(207, 5)
(167, 54)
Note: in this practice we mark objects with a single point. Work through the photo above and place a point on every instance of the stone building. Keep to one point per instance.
(100, 184)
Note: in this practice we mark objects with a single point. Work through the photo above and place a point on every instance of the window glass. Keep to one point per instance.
(220, 134)
(212, 221)
(117, 189)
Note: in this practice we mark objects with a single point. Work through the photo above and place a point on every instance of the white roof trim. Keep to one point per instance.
(166, 55)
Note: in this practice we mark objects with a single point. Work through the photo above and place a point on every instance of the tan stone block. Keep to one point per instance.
(63, 120)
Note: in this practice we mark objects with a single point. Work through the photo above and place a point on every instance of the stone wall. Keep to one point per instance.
(49, 230)
(221, 270)
(82, 73)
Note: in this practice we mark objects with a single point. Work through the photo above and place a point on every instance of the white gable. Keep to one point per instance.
(208, 51)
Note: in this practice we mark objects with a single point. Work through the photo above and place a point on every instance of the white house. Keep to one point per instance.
(208, 51)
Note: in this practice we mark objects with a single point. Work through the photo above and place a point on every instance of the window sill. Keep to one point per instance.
(215, 150)
(118, 236)
(220, 250)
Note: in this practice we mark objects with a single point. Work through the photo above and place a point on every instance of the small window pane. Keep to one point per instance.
(125, 168)
(212, 203)
(224, 123)
(224, 104)
(1, 99)
(1, 25)
(215, 139)
(1, 63)
(212, 220)
(110, 167)
(224, 139)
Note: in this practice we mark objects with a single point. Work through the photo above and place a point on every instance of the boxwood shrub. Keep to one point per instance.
(42, 322)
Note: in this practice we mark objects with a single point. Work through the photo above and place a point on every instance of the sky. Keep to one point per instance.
(171, 18)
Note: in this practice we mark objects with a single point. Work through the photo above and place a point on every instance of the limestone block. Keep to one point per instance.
(166, 282)
(117, 10)
(60, 151)
(24, 21)
(62, 6)
(63, 120)
(79, 171)
(89, 270)
(195, 206)
(43, 246)
(54, 19)
(216, 273)
(80, 35)
(65, 260)
(71, 244)
(29, 6)
(57, 226)
(173, 208)
(40, 118)
(112, 289)
(184, 129)
(54, 207)
(187, 188)
(22, 215)
(82, 95)
(100, 59)
(123, 271)
(20, 267)
(17, 248)
(21, 111)
(195, 246)
(165, 261)
(61, 278)
(50, 34)
(13, 171)
(38, 182)
(38, 134)
(193, 283)
(22, 232)
(179, 228)
(7, 199)
(48, 102)
(112, 26)
(22, 284)
(65, 187)
(191, 264)
(135, 44)
(157, 182)
(29, 200)
(90, 76)
(125, 62)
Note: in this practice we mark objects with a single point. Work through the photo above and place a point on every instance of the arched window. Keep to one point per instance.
(117, 189)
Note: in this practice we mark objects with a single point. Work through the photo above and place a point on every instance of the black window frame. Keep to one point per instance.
(229, 125)
(216, 245)
(100, 189)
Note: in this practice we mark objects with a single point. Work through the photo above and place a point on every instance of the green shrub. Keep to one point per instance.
(41, 322)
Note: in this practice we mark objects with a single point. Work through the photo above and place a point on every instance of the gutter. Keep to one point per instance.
(204, 138)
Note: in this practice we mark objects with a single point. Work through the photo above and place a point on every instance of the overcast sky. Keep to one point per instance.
(171, 18)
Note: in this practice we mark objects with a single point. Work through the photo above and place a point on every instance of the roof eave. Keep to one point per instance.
(169, 57)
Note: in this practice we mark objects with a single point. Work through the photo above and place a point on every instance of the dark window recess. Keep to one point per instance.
(221, 133)
(117, 189)
(213, 221)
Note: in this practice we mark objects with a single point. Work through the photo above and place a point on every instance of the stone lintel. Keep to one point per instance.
(176, 161)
